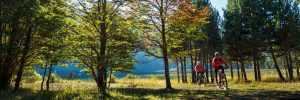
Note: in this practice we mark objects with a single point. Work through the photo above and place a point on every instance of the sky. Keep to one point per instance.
(219, 4)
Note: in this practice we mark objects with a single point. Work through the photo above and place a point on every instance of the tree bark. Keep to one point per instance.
(243, 70)
(211, 71)
(290, 67)
(206, 67)
(193, 71)
(238, 70)
(110, 75)
(285, 67)
(275, 62)
(258, 70)
(42, 86)
(49, 77)
(231, 71)
(184, 70)
(255, 67)
(182, 67)
(297, 67)
(165, 45)
(177, 69)
(23, 58)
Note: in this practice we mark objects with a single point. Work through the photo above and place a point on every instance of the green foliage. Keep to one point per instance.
(32, 79)
(54, 78)
(131, 76)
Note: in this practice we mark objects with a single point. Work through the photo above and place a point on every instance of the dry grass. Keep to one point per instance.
(152, 88)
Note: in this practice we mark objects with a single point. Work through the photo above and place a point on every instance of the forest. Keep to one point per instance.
(260, 39)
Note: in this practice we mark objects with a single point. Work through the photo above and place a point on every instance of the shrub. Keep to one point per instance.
(132, 76)
(33, 78)
(54, 78)
(113, 79)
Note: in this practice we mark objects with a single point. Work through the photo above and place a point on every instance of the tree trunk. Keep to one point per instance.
(182, 67)
(254, 67)
(243, 70)
(290, 67)
(258, 70)
(110, 75)
(177, 70)
(165, 48)
(206, 67)
(193, 71)
(212, 74)
(184, 70)
(23, 58)
(42, 86)
(285, 68)
(297, 67)
(4, 82)
(238, 70)
(231, 71)
(49, 77)
(275, 63)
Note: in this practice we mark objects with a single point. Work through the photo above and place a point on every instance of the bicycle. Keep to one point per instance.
(201, 79)
(222, 79)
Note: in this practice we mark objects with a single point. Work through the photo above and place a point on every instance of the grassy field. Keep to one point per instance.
(152, 87)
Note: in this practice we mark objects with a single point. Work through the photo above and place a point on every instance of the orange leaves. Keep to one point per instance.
(188, 15)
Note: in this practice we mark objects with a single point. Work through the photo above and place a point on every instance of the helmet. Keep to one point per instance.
(217, 54)
(198, 62)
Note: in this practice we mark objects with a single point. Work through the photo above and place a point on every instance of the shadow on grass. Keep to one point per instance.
(67, 94)
(207, 94)
(147, 93)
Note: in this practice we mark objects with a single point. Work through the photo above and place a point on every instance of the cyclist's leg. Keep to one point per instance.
(222, 67)
(216, 75)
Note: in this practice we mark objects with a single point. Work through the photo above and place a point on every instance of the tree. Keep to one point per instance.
(102, 38)
(183, 24)
(46, 20)
(153, 39)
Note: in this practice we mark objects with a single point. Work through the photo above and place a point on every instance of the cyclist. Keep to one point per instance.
(199, 70)
(218, 63)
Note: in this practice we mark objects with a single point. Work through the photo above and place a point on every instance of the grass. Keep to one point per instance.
(152, 88)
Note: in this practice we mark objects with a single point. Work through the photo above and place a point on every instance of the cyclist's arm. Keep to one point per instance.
(225, 62)
(212, 62)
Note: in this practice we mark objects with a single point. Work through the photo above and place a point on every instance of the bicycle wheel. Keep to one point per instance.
(223, 81)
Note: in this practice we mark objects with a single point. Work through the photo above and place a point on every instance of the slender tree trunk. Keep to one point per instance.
(23, 58)
(212, 74)
(254, 67)
(297, 67)
(258, 70)
(49, 77)
(4, 82)
(206, 67)
(290, 67)
(238, 69)
(42, 86)
(110, 75)
(193, 71)
(185, 75)
(182, 69)
(177, 70)
(285, 67)
(164, 43)
(243, 70)
(231, 71)
(275, 62)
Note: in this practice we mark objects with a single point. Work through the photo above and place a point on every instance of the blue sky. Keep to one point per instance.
(219, 4)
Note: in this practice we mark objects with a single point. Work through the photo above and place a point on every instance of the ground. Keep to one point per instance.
(153, 88)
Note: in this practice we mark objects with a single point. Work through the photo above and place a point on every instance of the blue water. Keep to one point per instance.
(144, 65)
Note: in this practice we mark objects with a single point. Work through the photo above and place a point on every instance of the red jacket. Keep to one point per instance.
(217, 62)
(199, 68)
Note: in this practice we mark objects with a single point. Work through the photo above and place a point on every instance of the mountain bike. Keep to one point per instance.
(201, 79)
(222, 79)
